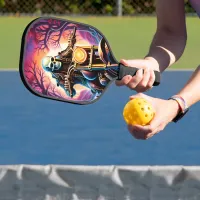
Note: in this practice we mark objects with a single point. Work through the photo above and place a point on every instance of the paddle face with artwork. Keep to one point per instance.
(68, 61)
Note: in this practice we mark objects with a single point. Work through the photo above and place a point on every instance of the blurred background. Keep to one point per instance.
(81, 7)
(40, 131)
(128, 25)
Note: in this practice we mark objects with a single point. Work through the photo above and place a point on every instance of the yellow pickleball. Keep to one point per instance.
(138, 112)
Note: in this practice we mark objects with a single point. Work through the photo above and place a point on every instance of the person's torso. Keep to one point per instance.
(196, 6)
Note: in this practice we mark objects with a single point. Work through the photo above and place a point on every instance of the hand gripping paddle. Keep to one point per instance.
(68, 61)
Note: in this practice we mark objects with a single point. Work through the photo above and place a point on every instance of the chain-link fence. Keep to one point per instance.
(80, 7)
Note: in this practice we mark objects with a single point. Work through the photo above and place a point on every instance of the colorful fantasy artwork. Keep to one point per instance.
(66, 61)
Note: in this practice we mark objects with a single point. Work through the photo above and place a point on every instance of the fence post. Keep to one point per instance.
(119, 7)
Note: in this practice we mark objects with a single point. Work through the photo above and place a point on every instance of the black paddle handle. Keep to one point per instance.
(123, 71)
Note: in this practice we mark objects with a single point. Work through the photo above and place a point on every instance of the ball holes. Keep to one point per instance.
(142, 109)
(146, 115)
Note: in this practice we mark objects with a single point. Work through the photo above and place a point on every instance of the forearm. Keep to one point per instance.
(166, 48)
(191, 91)
(170, 38)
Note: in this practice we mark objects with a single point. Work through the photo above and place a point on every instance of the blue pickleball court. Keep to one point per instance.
(40, 131)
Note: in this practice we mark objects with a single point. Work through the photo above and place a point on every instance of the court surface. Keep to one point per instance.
(40, 131)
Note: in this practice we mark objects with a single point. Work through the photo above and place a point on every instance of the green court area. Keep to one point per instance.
(129, 38)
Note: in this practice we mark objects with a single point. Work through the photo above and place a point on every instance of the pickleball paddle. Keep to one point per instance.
(68, 61)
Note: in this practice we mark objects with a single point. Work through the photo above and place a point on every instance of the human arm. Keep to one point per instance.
(167, 46)
(170, 38)
(167, 110)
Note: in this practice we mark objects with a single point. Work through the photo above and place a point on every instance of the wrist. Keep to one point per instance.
(182, 107)
(154, 63)
(175, 107)
(163, 56)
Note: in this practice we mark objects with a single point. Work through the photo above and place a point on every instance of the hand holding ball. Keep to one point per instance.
(138, 111)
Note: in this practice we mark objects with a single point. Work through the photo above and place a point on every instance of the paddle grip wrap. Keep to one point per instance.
(123, 71)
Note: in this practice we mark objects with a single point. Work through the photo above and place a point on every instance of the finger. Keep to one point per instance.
(135, 134)
(125, 62)
(142, 129)
(155, 127)
(143, 132)
(141, 89)
(155, 123)
(148, 129)
(139, 132)
(140, 95)
(124, 81)
(142, 86)
(136, 79)
(145, 80)
(130, 128)
(156, 131)
(138, 63)
(139, 136)
(151, 79)
(130, 63)
(132, 132)
(150, 135)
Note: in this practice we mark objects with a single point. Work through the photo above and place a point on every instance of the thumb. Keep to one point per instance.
(138, 63)
(148, 129)
(155, 123)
